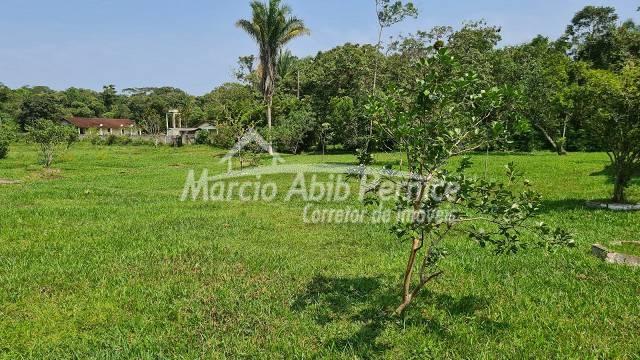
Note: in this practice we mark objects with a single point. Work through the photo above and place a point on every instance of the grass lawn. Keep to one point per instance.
(99, 258)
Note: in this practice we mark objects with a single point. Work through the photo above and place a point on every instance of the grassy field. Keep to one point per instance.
(99, 258)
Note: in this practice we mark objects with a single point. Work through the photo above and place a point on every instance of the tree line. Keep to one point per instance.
(320, 100)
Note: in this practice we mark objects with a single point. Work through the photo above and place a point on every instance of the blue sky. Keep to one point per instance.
(194, 45)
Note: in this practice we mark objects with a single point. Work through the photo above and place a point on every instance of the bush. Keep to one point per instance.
(293, 130)
(226, 136)
(111, 140)
(124, 140)
(49, 136)
(94, 139)
(202, 137)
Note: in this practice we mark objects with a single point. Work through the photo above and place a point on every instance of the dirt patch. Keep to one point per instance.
(9, 182)
(46, 174)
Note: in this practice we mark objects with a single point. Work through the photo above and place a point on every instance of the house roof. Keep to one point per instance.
(87, 123)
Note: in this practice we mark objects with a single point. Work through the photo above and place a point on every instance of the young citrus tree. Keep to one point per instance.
(449, 116)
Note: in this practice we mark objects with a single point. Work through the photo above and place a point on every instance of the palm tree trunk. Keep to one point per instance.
(269, 124)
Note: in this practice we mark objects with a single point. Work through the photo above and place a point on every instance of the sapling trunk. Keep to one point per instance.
(561, 150)
(618, 189)
(406, 294)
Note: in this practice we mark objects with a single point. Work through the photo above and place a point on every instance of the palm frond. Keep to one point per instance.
(292, 29)
(250, 28)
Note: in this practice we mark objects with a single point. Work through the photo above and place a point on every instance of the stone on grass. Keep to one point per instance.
(613, 257)
(613, 206)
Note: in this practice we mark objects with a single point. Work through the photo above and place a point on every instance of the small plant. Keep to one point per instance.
(145, 142)
(4, 149)
(72, 138)
(326, 134)
(364, 157)
(124, 140)
(49, 136)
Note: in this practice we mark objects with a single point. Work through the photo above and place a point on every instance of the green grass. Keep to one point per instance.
(101, 259)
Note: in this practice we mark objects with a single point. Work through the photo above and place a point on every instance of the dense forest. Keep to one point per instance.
(321, 100)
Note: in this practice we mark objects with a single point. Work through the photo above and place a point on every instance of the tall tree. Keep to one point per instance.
(272, 26)
(591, 35)
(541, 73)
(39, 106)
(109, 96)
(390, 13)
(246, 72)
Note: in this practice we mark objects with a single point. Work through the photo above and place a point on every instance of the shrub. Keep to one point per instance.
(72, 138)
(124, 140)
(202, 137)
(94, 139)
(111, 140)
(293, 130)
(49, 136)
(226, 136)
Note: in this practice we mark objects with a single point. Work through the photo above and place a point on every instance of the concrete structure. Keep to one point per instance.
(178, 135)
(104, 127)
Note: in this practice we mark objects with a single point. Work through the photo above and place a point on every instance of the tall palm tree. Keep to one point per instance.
(272, 27)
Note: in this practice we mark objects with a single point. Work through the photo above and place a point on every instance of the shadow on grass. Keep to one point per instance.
(366, 302)
(563, 205)
(609, 172)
